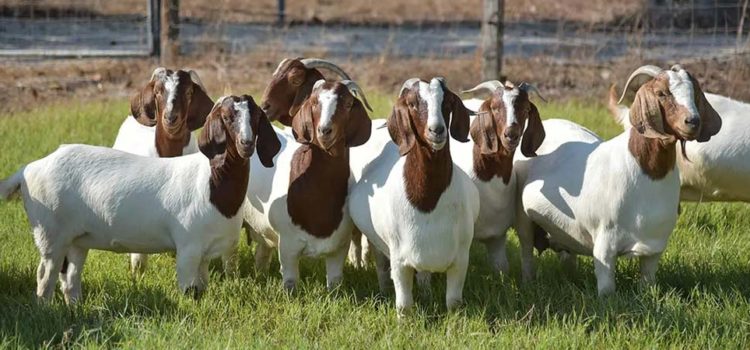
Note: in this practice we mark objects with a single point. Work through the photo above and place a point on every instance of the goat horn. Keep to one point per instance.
(488, 86)
(677, 67)
(528, 87)
(636, 80)
(407, 85)
(357, 92)
(321, 63)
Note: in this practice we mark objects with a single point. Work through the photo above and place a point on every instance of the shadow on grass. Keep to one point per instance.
(28, 323)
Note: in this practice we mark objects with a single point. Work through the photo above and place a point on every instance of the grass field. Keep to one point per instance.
(701, 299)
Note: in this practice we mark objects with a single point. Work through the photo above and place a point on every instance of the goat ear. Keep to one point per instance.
(143, 105)
(200, 107)
(484, 131)
(359, 125)
(645, 114)
(710, 120)
(212, 141)
(400, 128)
(268, 142)
(303, 93)
(302, 124)
(534, 134)
(459, 116)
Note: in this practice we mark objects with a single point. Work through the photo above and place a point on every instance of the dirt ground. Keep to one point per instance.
(355, 11)
(26, 84)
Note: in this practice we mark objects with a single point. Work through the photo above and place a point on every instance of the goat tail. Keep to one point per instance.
(11, 185)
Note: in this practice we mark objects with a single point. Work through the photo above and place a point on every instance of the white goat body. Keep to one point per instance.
(593, 199)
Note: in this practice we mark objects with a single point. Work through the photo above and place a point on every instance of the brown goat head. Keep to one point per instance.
(332, 118)
(176, 98)
(421, 114)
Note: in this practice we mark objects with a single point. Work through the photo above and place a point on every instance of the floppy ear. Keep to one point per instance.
(303, 93)
(484, 131)
(459, 116)
(400, 129)
(646, 116)
(200, 107)
(710, 120)
(212, 141)
(534, 134)
(143, 105)
(302, 124)
(359, 125)
(268, 144)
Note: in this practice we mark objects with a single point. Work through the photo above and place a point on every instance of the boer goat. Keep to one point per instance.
(290, 86)
(163, 114)
(85, 197)
(618, 197)
(411, 202)
(488, 159)
(299, 206)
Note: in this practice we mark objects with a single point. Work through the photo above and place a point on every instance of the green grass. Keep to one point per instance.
(701, 299)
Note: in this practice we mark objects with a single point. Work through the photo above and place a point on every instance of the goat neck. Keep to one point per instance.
(427, 173)
(318, 186)
(170, 145)
(488, 166)
(656, 157)
(228, 183)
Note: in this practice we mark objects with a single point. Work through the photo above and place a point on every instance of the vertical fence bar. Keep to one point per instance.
(282, 13)
(170, 31)
(492, 39)
(154, 21)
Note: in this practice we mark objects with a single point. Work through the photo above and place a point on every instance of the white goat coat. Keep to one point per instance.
(136, 138)
(583, 192)
(425, 241)
(99, 198)
(718, 170)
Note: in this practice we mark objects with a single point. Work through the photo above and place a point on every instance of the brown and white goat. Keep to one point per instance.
(300, 205)
(290, 86)
(505, 116)
(164, 113)
(412, 203)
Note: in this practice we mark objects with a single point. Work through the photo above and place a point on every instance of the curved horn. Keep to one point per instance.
(636, 79)
(528, 87)
(159, 72)
(318, 84)
(407, 85)
(357, 92)
(321, 63)
(488, 86)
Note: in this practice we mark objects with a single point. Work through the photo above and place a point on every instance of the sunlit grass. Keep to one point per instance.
(700, 300)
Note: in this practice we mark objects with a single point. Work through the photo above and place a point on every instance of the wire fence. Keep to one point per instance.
(656, 29)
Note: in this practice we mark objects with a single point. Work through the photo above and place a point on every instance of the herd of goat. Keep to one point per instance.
(414, 191)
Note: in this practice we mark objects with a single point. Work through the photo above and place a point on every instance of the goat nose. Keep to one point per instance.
(438, 130)
(324, 130)
(693, 121)
(245, 142)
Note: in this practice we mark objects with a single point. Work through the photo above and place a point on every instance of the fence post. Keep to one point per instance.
(282, 13)
(154, 16)
(170, 31)
(492, 39)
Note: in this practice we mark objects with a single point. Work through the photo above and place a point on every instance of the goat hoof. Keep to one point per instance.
(194, 292)
(290, 285)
